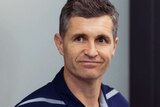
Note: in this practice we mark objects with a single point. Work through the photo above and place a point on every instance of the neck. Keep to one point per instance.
(87, 91)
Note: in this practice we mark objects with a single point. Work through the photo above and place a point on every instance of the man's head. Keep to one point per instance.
(87, 38)
(87, 9)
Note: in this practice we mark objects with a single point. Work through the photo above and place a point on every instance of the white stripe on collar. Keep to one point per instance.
(111, 93)
(102, 100)
(47, 100)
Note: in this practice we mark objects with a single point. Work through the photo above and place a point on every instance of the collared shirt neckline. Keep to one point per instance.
(67, 95)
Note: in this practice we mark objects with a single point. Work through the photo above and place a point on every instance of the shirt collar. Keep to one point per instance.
(64, 92)
(102, 100)
(68, 97)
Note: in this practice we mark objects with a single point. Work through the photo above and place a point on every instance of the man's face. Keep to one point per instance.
(87, 47)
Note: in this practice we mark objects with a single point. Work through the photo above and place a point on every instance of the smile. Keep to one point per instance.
(89, 64)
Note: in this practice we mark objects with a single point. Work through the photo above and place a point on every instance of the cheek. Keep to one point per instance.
(70, 52)
(106, 54)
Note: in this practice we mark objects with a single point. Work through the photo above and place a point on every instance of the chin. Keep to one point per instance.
(91, 75)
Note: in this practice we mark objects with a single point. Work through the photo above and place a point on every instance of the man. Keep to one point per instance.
(87, 40)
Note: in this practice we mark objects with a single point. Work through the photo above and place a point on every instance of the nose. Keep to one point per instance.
(91, 50)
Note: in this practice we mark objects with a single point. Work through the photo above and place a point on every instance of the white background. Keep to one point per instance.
(28, 56)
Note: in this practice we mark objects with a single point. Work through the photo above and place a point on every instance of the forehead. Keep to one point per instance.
(94, 25)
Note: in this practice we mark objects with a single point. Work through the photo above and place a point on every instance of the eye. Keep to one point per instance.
(79, 38)
(103, 40)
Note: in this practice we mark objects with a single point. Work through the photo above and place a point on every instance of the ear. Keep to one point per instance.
(115, 45)
(59, 43)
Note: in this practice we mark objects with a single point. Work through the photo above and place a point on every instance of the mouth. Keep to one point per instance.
(90, 64)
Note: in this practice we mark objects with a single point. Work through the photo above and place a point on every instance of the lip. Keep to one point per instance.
(86, 61)
(89, 64)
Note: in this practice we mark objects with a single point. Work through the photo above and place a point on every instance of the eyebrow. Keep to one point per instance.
(85, 35)
(103, 35)
(79, 34)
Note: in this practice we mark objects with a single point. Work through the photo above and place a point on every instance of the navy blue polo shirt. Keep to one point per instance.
(57, 94)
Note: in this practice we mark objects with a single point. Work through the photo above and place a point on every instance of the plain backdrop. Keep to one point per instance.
(28, 56)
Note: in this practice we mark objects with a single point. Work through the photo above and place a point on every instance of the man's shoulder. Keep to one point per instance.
(44, 96)
(114, 97)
